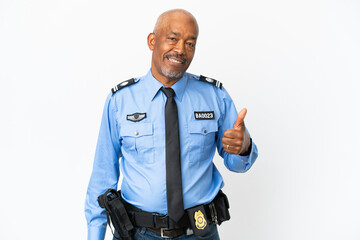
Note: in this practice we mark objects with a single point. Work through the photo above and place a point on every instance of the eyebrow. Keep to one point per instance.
(174, 33)
(178, 34)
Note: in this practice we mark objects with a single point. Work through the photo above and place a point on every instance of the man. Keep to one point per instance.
(139, 128)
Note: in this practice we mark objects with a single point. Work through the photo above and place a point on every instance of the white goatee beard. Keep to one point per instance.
(172, 75)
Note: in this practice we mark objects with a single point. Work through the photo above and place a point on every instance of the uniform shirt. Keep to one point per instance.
(140, 146)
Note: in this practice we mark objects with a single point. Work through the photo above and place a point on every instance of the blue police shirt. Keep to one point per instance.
(140, 146)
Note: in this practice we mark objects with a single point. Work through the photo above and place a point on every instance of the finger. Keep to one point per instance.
(233, 133)
(240, 119)
(232, 142)
(231, 149)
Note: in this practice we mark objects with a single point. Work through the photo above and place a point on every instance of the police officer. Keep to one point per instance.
(134, 136)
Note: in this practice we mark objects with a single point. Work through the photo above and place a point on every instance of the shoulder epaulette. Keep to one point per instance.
(124, 84)
(211, 81)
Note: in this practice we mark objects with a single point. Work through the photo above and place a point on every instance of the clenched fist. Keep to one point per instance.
(237, 140)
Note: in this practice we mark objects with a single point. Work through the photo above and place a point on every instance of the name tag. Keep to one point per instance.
(204, 115)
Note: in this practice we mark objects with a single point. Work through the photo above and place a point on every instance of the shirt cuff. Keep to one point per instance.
(96, 233)
(247, 158)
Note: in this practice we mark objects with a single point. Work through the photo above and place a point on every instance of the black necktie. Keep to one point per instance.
(173, 165)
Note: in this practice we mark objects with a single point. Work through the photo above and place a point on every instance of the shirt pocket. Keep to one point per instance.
(202, 139)
(138, 141)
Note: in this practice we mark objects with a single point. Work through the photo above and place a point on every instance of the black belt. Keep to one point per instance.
(140, 218)
(162, 224)
(173, 233)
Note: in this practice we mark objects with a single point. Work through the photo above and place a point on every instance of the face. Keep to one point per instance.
(173, 45)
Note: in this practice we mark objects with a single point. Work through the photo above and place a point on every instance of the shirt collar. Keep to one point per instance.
(153, 86)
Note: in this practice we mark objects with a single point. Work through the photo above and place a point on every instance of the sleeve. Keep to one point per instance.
(235, 163)
(105, 173)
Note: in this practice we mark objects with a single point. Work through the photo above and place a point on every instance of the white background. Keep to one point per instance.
(293, 64)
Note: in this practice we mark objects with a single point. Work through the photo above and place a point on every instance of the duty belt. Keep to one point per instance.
(163, 225)
(141, 218)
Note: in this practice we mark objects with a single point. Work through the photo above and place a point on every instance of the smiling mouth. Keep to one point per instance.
(177, 59)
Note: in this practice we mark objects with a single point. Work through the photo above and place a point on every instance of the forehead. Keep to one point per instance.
(179, 24)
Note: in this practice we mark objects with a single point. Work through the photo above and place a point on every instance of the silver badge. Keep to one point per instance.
(136, 117)
(210, 80)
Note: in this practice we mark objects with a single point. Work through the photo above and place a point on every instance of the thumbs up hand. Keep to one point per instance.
(237, 140)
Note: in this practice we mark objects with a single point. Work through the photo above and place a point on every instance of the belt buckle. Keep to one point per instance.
(163, 234)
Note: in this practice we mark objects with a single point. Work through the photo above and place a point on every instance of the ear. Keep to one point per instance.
(151, 41)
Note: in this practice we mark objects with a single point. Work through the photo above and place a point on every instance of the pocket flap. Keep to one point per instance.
(203, 127)
(136, 129)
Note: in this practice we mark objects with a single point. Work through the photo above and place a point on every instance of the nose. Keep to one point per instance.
(179, 47)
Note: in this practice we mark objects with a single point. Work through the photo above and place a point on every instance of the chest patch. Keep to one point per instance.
(204, 115)
(136, 117)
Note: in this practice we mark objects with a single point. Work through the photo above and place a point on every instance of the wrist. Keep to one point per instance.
(246, 150)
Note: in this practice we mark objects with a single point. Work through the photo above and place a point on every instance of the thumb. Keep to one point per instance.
(240, 119)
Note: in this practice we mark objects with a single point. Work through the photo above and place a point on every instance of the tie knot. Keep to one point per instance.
(169, 92)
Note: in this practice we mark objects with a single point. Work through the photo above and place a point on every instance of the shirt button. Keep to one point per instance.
(205, 131)
(136, 133)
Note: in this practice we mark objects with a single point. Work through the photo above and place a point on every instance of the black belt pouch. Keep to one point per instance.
(222, 207)
(198, 220)
(116, 211)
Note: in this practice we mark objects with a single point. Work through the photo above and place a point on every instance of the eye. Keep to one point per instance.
(172, 39)
(190, 44)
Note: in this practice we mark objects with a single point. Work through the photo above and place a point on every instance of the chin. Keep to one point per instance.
(172, 74)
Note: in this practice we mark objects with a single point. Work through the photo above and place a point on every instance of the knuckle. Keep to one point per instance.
(227, 133)
(237, 143)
